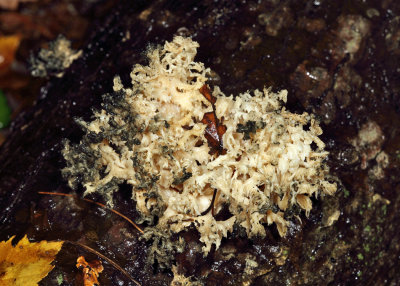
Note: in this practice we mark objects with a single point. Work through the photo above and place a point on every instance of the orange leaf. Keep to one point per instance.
(91, 270)
(8, 47)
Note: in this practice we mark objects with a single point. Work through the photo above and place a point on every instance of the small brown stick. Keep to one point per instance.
(211, 207)
(214, 202)
(105, 258)
(99, 204)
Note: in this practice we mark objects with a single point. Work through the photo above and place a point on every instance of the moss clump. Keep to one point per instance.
(163, 250)
(249, 127)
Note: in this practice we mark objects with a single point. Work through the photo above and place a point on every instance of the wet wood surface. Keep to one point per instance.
(338, 60)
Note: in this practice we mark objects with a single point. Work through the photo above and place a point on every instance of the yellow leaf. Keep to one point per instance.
(27, 263)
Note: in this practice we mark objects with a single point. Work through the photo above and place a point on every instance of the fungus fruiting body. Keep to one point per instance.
(154, 137)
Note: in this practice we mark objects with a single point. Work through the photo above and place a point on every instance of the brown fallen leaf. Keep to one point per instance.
(205, 91)
(91, 270)
(215, 129)
(27, 263)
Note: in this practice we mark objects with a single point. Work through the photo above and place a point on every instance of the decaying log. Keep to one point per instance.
(339, 61)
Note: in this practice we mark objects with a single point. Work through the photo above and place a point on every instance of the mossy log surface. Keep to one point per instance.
(338, 60)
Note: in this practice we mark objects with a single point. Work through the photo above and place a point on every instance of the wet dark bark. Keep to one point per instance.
(338, 59)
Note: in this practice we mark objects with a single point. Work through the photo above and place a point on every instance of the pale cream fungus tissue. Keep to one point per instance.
(152, 136)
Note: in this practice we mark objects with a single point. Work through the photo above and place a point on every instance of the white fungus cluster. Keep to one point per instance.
(269, 164)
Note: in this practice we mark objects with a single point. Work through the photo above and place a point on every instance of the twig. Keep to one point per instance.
(99, 204)
(211, 207)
